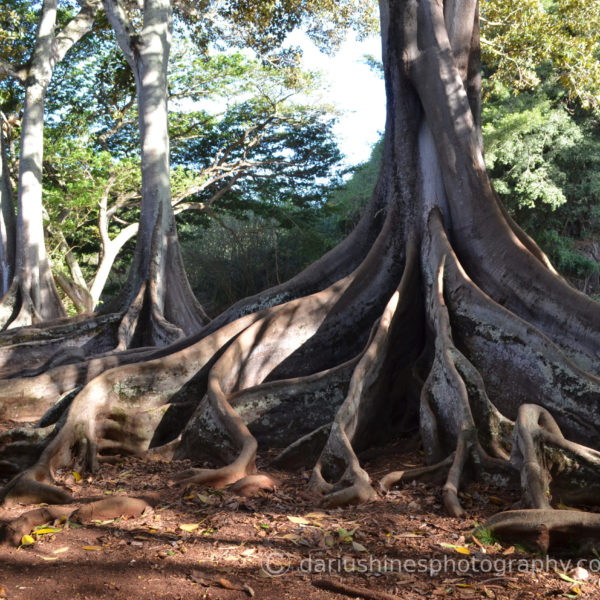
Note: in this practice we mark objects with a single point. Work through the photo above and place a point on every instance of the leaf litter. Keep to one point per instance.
(199, 542)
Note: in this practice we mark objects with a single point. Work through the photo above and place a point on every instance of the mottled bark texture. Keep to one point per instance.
(437, 313)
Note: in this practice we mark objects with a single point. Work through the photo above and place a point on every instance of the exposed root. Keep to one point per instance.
(33, 486)
(111, 508)
(17, 306)
(305, 451)
(542, 453)
(14, 531)
(452, 396)
(56, 342)
(252, 484)
(117, 412)
(435, 474)
(21, 447)
(560, 531)
(351, 590)
(369, 389)
(244, 365)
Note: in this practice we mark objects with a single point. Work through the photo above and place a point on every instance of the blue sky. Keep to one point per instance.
(354, 88)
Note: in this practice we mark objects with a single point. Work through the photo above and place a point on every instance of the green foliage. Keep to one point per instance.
(544, 160)
(528, 143)
(248, 141)
(348, 202)
(263, 26)
(562, 34)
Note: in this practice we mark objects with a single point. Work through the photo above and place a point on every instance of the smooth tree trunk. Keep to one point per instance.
(32, 296)
(160, 303)
(437, 315)
(7, 220)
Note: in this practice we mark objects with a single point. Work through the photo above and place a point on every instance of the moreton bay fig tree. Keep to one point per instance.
(437, 313)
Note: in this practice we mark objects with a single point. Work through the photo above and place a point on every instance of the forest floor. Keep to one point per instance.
(203, 543)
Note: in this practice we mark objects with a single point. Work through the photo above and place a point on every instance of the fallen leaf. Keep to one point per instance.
(316, 515)
(226, 584)
(459, 549)
(45, 530)
(189, 526)
(565, 577)
(76, 476)
(497, 501)
(344, 534)
(298, 520)
(359, 547)
(92, 548)
(27, 540)
(98, 522)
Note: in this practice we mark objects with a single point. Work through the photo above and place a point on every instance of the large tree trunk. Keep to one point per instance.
(32, 296)
(441, 314)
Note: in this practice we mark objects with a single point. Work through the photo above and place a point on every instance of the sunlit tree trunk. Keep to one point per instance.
(7, 220)
(32, 296)
(161, 304)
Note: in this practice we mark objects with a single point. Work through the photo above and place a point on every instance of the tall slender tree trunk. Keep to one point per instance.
(32, 296)
(7, 220)
(160, 303)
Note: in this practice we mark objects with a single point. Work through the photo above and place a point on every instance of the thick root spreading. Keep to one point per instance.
(430, 335)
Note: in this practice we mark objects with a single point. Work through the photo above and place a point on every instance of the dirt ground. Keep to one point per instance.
(203, 543)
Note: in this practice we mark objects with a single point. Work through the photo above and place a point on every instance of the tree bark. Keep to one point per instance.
(7, 219)
(157, 292)
(32, 296)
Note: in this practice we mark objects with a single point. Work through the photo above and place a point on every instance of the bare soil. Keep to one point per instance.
(203, 543)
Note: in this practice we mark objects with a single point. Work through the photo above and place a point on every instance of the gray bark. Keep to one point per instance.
(157, 277)
(34, 296)
(7, 220)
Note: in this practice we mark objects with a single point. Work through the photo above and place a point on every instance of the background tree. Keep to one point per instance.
(33, 295)
(7, 213)
(101, 329)
(266, 152)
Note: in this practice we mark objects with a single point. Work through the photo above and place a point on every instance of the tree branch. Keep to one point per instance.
(117, 16)
(18, 73)
(75, 29)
